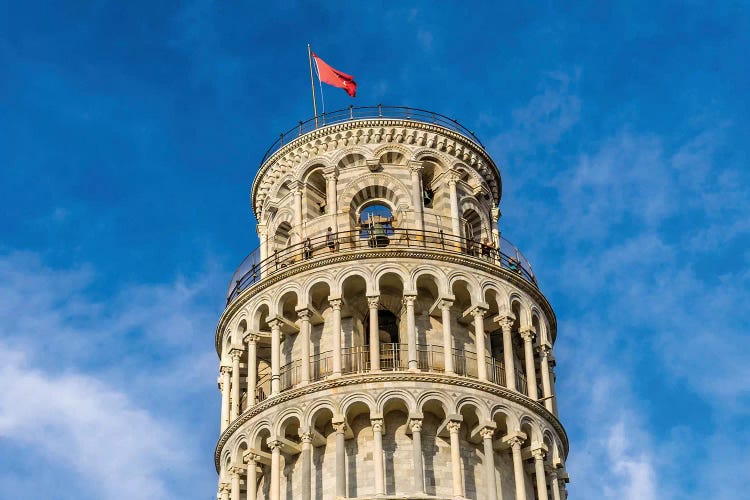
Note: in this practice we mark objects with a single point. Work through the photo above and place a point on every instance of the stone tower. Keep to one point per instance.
(384, 341)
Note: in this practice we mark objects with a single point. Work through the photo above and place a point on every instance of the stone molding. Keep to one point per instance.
(384, 377)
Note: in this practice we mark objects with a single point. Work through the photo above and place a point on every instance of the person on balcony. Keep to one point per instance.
(307, 249)
(331, 240)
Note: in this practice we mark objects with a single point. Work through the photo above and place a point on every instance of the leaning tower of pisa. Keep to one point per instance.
(384, 340)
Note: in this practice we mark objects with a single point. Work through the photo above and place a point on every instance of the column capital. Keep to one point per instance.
(236, 352)
(251, 457)
(378, 425)
(225, 487)
(262, 230)
(545, 349)
(453, 426)
(236, 470)
(515, 439)
(304, 313)
(339, 427)
(506, 321)
(453, 177)
(335, 303)
(275, 444)
(445, 303)
(487, 432)
(373, 301)
(331, 174)
(275, 323)
(415, 166)
(252, 338)
(539, 453)
(305, 437)
(415, 424)
(226, 370)
(478, 310)
(552, 471)
(528, 334)
(408, 299)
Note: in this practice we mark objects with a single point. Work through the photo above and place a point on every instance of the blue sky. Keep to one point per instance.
(130, 133)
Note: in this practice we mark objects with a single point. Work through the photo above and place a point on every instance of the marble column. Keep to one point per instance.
(481, 342)
(331, 200)
(373, 302)
(544, 352)
(304, 333)
(506, 323)
(235, 475)
(305, 486)
(275, 469)
(458, 488)
(252, 368)
(377, 432)
(275, 356)
(336, 306)
(489, 461)
(445, 310)
(340, 428)
(495, 213)
(554, 486)
(415, 168)
(252, 476)
(416, 445)
(224, 386)
(411, 332)
(528, 349)
(453, 193)
(297, 193)
(541, 482)
(515, 443)
(236, 354)
(263, 238)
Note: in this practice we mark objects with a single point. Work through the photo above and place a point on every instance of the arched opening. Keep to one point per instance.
(473, 226)
(428, 190)
(282, 237)
(316, 195)
(376, 224)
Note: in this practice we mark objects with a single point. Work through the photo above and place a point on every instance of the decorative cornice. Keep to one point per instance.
(385, 377)
(413, 253)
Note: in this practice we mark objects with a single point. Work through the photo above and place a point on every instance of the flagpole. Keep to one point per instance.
(312, 86)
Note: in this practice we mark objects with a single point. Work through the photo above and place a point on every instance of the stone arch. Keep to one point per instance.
(303, 170)
(284, 419)
(283, 186)
(389, 268)
(394, 394)
(261, 315)
(374, 186)
(480, 407)
(512, 422)
(430, 397)
(352, 156)
(285, 295)
(345, 274)
(432, 271)
(474, 178)
(358, 398)
(523, 318)
(317, 407)
(528, 422)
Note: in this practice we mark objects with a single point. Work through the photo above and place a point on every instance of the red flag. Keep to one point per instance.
(335, 77)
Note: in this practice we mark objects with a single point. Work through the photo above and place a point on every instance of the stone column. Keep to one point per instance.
(544, 352)
(235, 475)
(252, 368)
(224, 489)
(373, 302)
(528, 349)
(236, 354)
(541, 482)
(297, 193)
(331, 199)
(224, 386)
(252, 476)
(506, 323)
(336, 305)
(554, 486)
(452, 180)
(275, 356)
(489, 461)
(445, 309)
(306, 482)
(416, 443)
(411, 332)
(478, 313)
(304, 332)
(416, 194)
(275, 469)
(340, 428)
(377, 432)
(262, 230)
(495, 213)
(515, 443)
(458, 487)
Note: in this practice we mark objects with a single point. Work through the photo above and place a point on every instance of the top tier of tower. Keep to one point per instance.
(417, 168)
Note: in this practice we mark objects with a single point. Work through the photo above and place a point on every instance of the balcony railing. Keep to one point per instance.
(253, 269)
(393, 358)
(368, 112)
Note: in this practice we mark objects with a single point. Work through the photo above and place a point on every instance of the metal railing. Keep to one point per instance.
(253, 269)
(368, 112)
(393, 357)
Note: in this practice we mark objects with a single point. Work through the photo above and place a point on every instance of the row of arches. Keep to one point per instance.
(386, 431)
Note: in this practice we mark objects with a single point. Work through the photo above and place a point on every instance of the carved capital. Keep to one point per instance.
(416, 425)
(335, 303)
(527, 335)
(415, 167)
(236, 471)
(304, 314)
(275, 445)
(339, 427)
(453, 426)
(408, 300)
(252, 338)
(377, 424)
(225, 488)
(487, 433)
(373, 301)
(538, 453)
(306, 437)
(478, 312)
(506, 322)
(514, 442)
(226, 370)
(445, 303)
(236, 353)
(452, 177)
